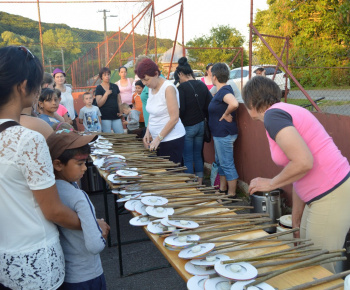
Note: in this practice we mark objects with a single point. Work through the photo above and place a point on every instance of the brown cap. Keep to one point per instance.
(64, 139)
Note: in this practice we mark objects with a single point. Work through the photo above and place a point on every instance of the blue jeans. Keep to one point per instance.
(224, 156)
(115, 124)
(192, 153)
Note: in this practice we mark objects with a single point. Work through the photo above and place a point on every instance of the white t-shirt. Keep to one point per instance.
(68, 101)
(235, 89)
(159, 115)
(26, 237)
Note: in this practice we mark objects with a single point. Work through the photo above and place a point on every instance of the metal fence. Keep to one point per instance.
(81, 53)
(326, 89)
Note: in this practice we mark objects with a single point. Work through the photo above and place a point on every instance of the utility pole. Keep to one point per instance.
(64, 68)
(105, 32)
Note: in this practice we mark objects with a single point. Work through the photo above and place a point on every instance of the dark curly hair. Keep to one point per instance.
(103, 70)
(260, 93)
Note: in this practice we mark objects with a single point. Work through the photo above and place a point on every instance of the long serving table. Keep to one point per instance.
(283, 281)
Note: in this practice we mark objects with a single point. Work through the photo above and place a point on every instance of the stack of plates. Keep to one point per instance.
(127, 195)
(178, 243)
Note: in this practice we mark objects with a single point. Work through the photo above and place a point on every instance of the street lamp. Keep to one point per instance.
(105, 31)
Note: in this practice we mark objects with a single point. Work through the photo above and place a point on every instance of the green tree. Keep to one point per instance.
(319, 32)
(59, 38)
(221, 36)
(10, 38)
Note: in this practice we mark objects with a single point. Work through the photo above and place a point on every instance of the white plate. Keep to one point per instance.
(197, 270)
(140, 208)
(196, 282)
(164, 222)
(262, 286)
(154, 212)
(125, 192)
(103, 146)
(126, 198)
(100, 151)
(179, 224)
(204, 262)
(130, 205)
(247, 271)
(217, 283)
(188, 254)
(175, 242)
(116, 155)
(155, 227)
(154, 200)
(126, 173)
(137, 221)
(115, 181)
(147, 194)
(99, 162)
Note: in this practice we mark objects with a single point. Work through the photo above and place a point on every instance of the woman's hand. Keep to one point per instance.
(154, 144)
(147, 139)
(260, 184)
(108, 92)
(227, 117)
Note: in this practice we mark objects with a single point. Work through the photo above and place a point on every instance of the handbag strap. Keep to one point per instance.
(196, 96)
(7, 124)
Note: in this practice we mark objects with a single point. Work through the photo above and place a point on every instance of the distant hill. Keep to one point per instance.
(27, 32)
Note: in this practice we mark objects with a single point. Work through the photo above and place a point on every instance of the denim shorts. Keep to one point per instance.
(224, 156)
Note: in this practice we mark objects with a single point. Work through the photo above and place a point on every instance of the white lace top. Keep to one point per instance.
(30, 253)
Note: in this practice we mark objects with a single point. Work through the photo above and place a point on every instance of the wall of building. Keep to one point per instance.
(252, 153)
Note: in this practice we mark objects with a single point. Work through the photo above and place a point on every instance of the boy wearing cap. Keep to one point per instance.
(69, 152)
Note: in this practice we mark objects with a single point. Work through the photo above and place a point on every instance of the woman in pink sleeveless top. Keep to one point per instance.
(309, 159)
(125, 86)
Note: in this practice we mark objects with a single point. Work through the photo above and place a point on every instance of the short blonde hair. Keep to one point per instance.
(124, 106)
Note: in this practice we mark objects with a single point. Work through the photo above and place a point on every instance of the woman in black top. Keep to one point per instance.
(193, 110)
(109, 101)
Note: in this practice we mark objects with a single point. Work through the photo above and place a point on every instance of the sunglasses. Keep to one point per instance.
(209, 65)
(26, 51)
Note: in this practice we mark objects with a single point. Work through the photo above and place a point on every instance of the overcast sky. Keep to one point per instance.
(200, 15)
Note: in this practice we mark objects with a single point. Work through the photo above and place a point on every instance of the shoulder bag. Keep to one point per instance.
(207, 134)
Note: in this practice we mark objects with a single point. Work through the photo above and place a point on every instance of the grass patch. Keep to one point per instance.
(321, 88)
(323, 103)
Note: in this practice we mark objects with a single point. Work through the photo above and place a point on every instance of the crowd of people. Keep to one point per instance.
(46, 218)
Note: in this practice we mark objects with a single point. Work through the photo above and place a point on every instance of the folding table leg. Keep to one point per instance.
(119, 244)
(106, 210)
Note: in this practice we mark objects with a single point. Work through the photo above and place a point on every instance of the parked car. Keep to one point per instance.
(198, 74)
(280, 77)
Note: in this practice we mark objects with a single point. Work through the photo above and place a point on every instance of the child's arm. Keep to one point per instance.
(58, 117)
(81, 116)
(133, 118)
(93, 238)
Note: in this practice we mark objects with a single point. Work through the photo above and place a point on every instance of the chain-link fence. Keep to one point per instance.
(328, 87)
